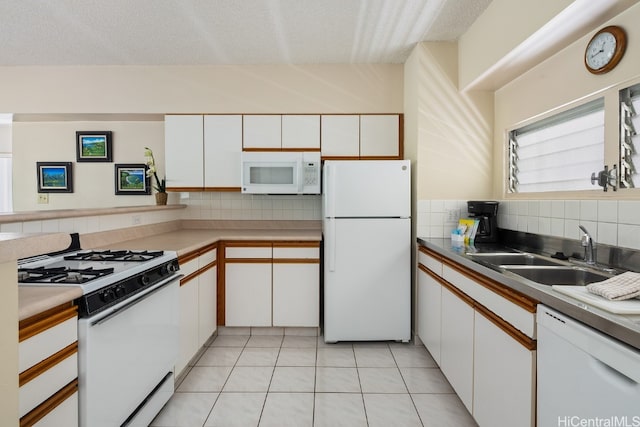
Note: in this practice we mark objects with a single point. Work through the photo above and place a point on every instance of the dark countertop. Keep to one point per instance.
(625, 328)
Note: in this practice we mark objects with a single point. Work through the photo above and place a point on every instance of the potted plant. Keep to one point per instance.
(160, 184)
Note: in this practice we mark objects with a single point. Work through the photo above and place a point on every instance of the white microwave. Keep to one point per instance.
(280, 172)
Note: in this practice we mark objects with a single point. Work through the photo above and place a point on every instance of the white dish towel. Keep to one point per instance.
(618, 288)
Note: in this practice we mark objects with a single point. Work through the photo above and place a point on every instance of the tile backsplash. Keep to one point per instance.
(238, 206)
(610, 222)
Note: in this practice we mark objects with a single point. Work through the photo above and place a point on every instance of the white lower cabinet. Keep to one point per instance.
(188, 324)
(504, 377)
(48, 378)
(273, 284)
(198, 304)
(457, 345)
(248, 294)
(429, 313)
(489, 362)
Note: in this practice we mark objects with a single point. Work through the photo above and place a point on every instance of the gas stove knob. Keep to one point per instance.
(120, 291)
(144, 280)
(108, 295)
(169, 268)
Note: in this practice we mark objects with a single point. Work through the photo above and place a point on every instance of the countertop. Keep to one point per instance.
(625, 328)
(36, 299)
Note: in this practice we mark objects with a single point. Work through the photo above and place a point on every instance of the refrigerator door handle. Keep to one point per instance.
(331, 239)
(330, 198)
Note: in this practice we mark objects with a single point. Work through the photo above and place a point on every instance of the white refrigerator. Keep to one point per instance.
(366, 225)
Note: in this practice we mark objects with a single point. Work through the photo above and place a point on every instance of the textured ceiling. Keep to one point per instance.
(199, 32)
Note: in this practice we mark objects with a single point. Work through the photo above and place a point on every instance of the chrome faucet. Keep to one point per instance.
(587, 242)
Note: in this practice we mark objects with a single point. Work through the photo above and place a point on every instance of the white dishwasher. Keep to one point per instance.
(584, 376)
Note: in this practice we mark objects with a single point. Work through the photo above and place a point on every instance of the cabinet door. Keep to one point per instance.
(296, 294)
(457, 345)
(504, 378)
(188, 323)
(262, 131)
(429, 312)
(248, 294)
(207, 304)
(379, 135)
(340, 135)
(222, 150)
(183, 148)
(301, 131)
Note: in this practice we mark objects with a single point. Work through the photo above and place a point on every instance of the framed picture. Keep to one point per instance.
(132, 179)
(93, 146)
(55, 177)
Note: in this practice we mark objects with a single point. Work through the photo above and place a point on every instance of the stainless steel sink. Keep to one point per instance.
(515, 258)
(558, 275)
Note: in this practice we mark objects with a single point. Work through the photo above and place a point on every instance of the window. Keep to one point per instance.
(558, 153)
(629, 138)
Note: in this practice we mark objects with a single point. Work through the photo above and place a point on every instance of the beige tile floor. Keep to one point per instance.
(263, 380)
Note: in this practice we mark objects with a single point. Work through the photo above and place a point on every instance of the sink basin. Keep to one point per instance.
(515, 258)
(558, 275)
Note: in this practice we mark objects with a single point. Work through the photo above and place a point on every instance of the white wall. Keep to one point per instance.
(52, 94)
(93, 182)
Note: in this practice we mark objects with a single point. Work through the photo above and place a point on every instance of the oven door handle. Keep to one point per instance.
(147, 293)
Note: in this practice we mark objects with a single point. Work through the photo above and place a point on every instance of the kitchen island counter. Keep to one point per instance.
(625, 328)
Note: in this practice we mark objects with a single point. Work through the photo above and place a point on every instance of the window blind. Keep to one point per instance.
(558, 153)
(629, 138)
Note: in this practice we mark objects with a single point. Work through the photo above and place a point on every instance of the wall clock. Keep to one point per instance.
(605, 49)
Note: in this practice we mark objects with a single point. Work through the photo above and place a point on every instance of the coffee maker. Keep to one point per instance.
(487, 213)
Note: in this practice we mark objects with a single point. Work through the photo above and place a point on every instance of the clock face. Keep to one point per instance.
(600, 50)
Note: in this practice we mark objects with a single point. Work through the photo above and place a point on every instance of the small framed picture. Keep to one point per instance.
(131, 179)
(55, 177)
(94, 146)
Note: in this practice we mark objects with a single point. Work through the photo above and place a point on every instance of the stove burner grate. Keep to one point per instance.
(61, 274)
(114, 255)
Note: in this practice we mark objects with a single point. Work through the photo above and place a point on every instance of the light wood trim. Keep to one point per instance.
(221, 292)
(401, 136)
(515, 297)
(457, 292)
(48, 363)
(277, 150)
(340, 158)
(430, 252)
(296, 244)
(198, 272)
(507, 327)
(248, 260)
(247, 244)
(183, 259)
(184, 189)
(296, 261)
(209, 266)
(46, 407)
(208, 248)
(45, 320)
(224, 189)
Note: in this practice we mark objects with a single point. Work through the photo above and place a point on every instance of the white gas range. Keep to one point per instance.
(127, 328)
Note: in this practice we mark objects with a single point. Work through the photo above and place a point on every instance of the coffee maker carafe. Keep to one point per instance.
(487, 213)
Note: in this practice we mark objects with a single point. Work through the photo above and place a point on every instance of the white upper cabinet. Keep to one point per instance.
(184, 164)
(262, 131)
(340, 135)
(222, 150)
(301, 131)
(379, 135)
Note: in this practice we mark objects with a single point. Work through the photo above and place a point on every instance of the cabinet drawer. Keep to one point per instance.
(519, 317)
(207, 258)
(47, 383)
(189, 267)
(296, 252)
(61, 409)
(430, 262)
(48, 342)
(248, 252)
